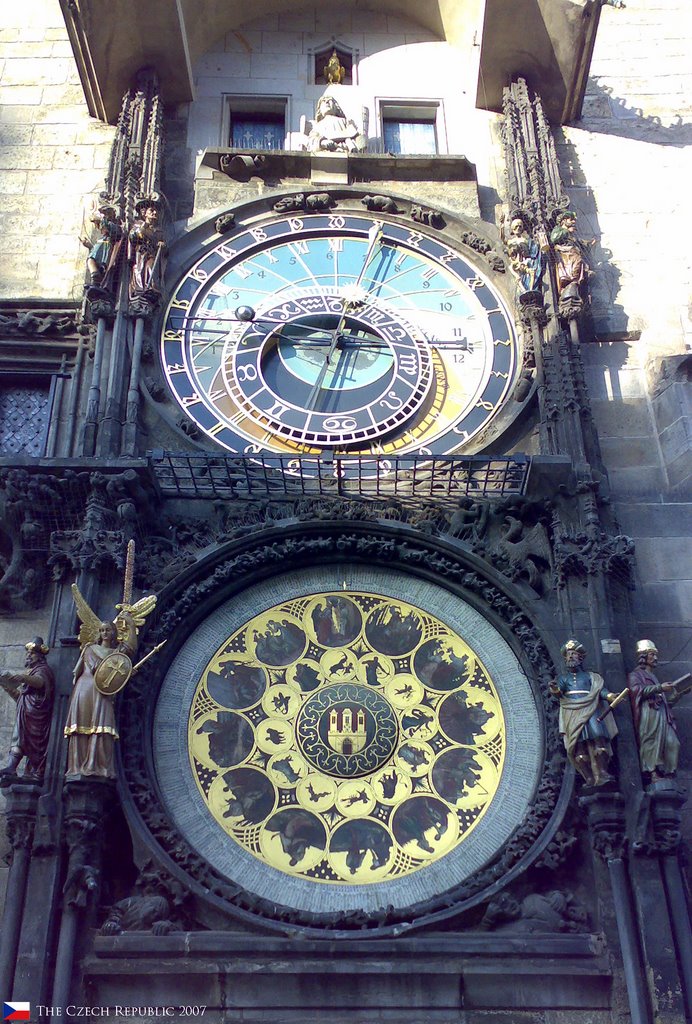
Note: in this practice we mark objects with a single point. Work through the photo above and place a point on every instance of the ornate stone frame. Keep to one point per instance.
(227, 571)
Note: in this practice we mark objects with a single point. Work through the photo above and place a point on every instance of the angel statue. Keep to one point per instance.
(103, 668)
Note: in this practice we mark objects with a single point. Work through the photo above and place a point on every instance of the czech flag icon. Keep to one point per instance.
(16, 1011)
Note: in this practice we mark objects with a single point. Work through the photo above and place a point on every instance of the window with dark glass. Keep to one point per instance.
(258, 130)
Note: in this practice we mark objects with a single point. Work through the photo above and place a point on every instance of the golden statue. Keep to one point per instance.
(103, 669)
(334, 71)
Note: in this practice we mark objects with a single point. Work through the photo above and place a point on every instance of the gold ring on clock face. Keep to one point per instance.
(365, 338)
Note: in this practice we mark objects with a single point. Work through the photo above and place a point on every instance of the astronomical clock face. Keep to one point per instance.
(343, 739)
(366, 338)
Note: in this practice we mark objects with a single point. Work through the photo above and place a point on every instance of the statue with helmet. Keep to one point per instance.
(586, 725)
(657, 734)
(33, 691)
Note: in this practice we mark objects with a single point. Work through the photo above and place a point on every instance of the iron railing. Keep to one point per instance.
(408, 479)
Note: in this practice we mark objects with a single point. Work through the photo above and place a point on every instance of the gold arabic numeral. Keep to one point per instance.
(180, 304)
(337, 223)
(171, 335)
(190, 400)
(198, 274)
(259, 234)
(496, 373)
(447, 257)
(483, 404)
(501, 341)
(463, 434)
(295, 224)
(175, 368)
(474, 282)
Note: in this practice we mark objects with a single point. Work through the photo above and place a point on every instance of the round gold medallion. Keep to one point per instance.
(346, 736)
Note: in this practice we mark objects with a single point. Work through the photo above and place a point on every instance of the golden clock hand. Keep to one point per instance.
(375, 235)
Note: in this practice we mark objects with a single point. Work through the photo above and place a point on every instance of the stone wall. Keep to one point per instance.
(627, 166)
(53, 157)
(273, 57)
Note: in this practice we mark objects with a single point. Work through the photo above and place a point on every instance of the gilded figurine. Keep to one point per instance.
(334, 71)
(586, 726)
(657, 734)
(103, 252)
(147, 252)
(103, 668)
(33, 691)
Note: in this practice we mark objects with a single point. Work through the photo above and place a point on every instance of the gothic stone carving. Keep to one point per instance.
(318, 541)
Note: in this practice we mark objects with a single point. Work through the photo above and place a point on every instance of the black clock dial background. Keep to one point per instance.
(509, 806)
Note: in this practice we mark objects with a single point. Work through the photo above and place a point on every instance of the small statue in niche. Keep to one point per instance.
(103, 252)
(33, 691)
(657, 734)
(332, 131)
(334, 71)
(147, 252)
(586, 726)
(572, 268)
(526, 255)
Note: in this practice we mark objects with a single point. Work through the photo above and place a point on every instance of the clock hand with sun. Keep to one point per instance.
(374, 240)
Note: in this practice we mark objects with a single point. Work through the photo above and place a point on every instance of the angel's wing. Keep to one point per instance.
(89, 630)
(140, 609)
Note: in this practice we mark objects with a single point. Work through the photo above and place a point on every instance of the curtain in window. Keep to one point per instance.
(409, 137)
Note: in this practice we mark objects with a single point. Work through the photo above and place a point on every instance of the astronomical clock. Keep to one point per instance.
(338, 331)
(336, 734)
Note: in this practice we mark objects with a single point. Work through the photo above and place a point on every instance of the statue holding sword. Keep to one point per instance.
(657, 734)
(103, 669)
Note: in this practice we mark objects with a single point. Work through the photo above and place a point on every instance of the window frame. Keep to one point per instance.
(418, 111)
(248, 104)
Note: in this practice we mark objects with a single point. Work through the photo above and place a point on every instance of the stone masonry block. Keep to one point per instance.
(49, 72)
(625, 452)
(664, 558)
(655, 520)
(20, 94)
(13, 182)
(622, 419)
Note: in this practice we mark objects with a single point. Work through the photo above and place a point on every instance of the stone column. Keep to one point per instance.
(22, 800)
(606, 817)
(87, 802)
